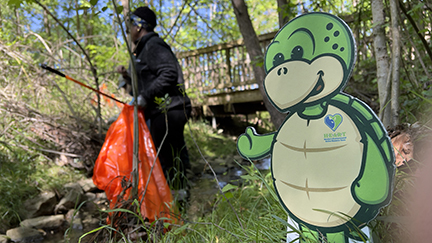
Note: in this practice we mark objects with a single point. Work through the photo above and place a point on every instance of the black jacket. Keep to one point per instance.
(159, 73)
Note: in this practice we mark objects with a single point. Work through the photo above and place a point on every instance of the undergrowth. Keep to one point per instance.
(247, 213)
(211, 142)
(23, 175)
(15, 186)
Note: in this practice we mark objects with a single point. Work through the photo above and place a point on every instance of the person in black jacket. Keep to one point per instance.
(159, 73)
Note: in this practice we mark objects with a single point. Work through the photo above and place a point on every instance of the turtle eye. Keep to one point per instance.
(297, 53)
(278, 59)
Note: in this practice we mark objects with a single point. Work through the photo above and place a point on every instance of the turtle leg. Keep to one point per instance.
(338, 237)
(308, 236)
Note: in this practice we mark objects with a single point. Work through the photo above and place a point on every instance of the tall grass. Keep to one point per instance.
(255, 202)
(23, 175)
(199, 135)
(256, 205)
(253, 213)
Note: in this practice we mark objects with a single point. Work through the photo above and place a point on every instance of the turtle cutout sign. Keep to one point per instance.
(332, 162)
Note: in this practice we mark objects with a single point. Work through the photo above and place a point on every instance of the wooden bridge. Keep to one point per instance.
(219, 79)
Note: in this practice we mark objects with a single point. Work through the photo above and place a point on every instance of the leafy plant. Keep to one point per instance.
(210, 142)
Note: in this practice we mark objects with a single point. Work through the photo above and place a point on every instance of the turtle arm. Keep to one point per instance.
(374, 184)
(252, 146)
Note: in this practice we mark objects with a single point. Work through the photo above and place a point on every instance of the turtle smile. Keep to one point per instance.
(308, 189)
(319, 85)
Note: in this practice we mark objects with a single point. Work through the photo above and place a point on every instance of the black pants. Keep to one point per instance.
(174, 157)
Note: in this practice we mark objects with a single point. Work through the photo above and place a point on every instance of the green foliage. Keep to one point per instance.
(390, 225)
(29, 36)
(202, 23)
(24, 174)
(264, 15)
(15, 186)
(163, 102)
(254, 204)
(248, 213)
(15, 3)
(210, 142)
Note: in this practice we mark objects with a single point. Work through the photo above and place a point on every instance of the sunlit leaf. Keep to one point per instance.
(15, 3)
(228, 195)
(248, 177)
(229, 187)
(85, 4)
(93, 2)
(119, 9)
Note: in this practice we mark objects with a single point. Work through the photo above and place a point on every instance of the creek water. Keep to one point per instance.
(205, 188)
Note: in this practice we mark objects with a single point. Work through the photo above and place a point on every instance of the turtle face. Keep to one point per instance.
(309, 59)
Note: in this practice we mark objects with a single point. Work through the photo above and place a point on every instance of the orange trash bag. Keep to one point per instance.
(114, 165)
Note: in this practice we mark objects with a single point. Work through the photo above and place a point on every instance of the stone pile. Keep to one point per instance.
(76, 207)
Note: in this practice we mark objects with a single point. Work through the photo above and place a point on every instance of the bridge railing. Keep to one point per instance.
(215, 75)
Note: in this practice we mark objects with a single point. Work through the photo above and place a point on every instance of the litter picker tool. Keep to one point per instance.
(78, 82)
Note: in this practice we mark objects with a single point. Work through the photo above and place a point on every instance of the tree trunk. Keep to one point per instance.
(283, 12)
(46, 23)
(394, 12)
(382, 59)
(255, 53)
(417, 30)
(17, 22)
(135, 161)
(90, 28)
(78, 22)
(85, 29)
(418, 54)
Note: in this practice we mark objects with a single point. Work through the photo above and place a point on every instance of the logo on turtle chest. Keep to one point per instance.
(333, 122)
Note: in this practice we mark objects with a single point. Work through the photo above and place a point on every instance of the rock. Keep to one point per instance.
(218, 169)
(87, 185)
(23, 234)
(73, 198)
(232, 163)
(90, 208)
(101, 197)
(62, 160)
(238, 158)
(41, 205)
(90, 196)
(198, 167)
(179, 195)
(4, 239)
(91, 223)
(44, 222)
(219, 161)
(73, 186)
(101, 200)
(73, 217)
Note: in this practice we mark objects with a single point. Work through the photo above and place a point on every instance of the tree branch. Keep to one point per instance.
(85, 54)
(414, 25)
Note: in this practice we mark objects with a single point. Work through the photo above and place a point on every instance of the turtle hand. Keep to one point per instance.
(250, 145)
(244, 143)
